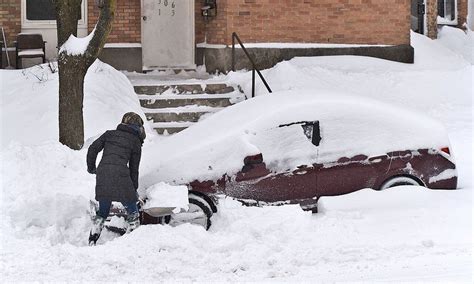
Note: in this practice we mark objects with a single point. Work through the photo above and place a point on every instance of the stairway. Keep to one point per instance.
(173, 107)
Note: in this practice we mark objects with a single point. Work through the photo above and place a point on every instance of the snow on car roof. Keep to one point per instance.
(349, 126)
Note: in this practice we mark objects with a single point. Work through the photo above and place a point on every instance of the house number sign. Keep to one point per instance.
(167, 7)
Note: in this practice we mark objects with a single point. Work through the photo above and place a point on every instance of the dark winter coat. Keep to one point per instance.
(117, 174)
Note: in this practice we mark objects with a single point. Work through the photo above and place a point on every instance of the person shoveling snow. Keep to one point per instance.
(117, 173)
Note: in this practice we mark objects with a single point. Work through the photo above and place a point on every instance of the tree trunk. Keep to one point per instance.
(68, 12)
(72, 71)
(73, 68)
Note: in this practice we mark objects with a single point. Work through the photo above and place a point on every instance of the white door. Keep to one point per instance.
(168, 34)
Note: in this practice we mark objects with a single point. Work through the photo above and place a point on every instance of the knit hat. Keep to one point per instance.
(132, 118)
(135, 122)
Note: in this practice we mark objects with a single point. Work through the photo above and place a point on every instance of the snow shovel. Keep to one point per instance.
(6, 50)
(159, 211)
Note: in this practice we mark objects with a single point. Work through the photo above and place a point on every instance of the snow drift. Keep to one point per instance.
(30, 101)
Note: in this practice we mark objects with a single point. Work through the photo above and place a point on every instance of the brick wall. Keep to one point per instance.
(432, 18)
(322, 21)
(332, 21)
(213, 30)
(462, 12)
(127, 24)
(10, 19)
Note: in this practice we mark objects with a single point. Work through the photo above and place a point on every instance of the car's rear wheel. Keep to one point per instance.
(399, 181)
(199, 213)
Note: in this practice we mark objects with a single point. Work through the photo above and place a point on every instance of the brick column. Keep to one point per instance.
(462, 12)
(431, 18)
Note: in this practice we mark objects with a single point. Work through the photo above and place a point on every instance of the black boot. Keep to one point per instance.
(97, 226)
(133, 221)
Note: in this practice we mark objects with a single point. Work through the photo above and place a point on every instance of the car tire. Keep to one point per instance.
(197, 205)
(399, 181)
(201, 203)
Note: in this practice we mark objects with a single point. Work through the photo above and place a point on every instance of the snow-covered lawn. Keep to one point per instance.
(403, 234)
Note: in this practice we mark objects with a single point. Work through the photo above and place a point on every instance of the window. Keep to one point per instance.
(447, 12)
(41, 13)
(40, 10)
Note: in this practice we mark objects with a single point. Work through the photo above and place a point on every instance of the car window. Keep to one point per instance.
(310, 129)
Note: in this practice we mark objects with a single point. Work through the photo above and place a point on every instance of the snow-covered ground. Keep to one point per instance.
(404, 234)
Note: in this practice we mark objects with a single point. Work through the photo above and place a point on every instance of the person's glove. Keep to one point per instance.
(140, 201)
(92, 171)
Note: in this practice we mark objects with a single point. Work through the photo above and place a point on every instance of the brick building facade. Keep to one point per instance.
(309, 21)
(303, 21)
(363, 27)
(10, 18)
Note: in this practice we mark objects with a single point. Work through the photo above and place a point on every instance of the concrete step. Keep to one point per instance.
(178, 117)
(185, 89)
(170, 127)
(180, 114)
(173, 106)
(173, 101)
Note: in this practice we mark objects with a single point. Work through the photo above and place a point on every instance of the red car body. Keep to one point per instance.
(304, 185)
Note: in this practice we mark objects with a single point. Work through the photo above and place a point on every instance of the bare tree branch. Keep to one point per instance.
(101, 31)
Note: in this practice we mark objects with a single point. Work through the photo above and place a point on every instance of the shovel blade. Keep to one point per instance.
(159, 211)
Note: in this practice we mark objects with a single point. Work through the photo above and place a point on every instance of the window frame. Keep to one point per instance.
(444, 21)
(44, 24)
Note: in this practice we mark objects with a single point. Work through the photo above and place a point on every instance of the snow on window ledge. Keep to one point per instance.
(444, 21)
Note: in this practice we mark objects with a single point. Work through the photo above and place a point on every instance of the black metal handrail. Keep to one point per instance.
(254, 68)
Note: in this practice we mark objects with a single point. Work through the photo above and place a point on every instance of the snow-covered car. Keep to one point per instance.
(294, 147)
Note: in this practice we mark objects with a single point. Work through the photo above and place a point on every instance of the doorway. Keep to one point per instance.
(168, 34)
(418, 9)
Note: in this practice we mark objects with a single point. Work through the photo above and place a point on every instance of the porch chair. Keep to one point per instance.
(29, 46)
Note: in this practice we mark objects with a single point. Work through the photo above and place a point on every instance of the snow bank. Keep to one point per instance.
(29, 103)
(45, 192)
(459, 41)
(349, 126)
(408, 234)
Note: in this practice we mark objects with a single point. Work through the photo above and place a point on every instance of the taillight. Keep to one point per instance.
(446, 150)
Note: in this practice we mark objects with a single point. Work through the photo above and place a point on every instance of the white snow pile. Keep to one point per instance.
(76, 45)
(29, 104)
(459, 41)
(349, 126)
(168, 196)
